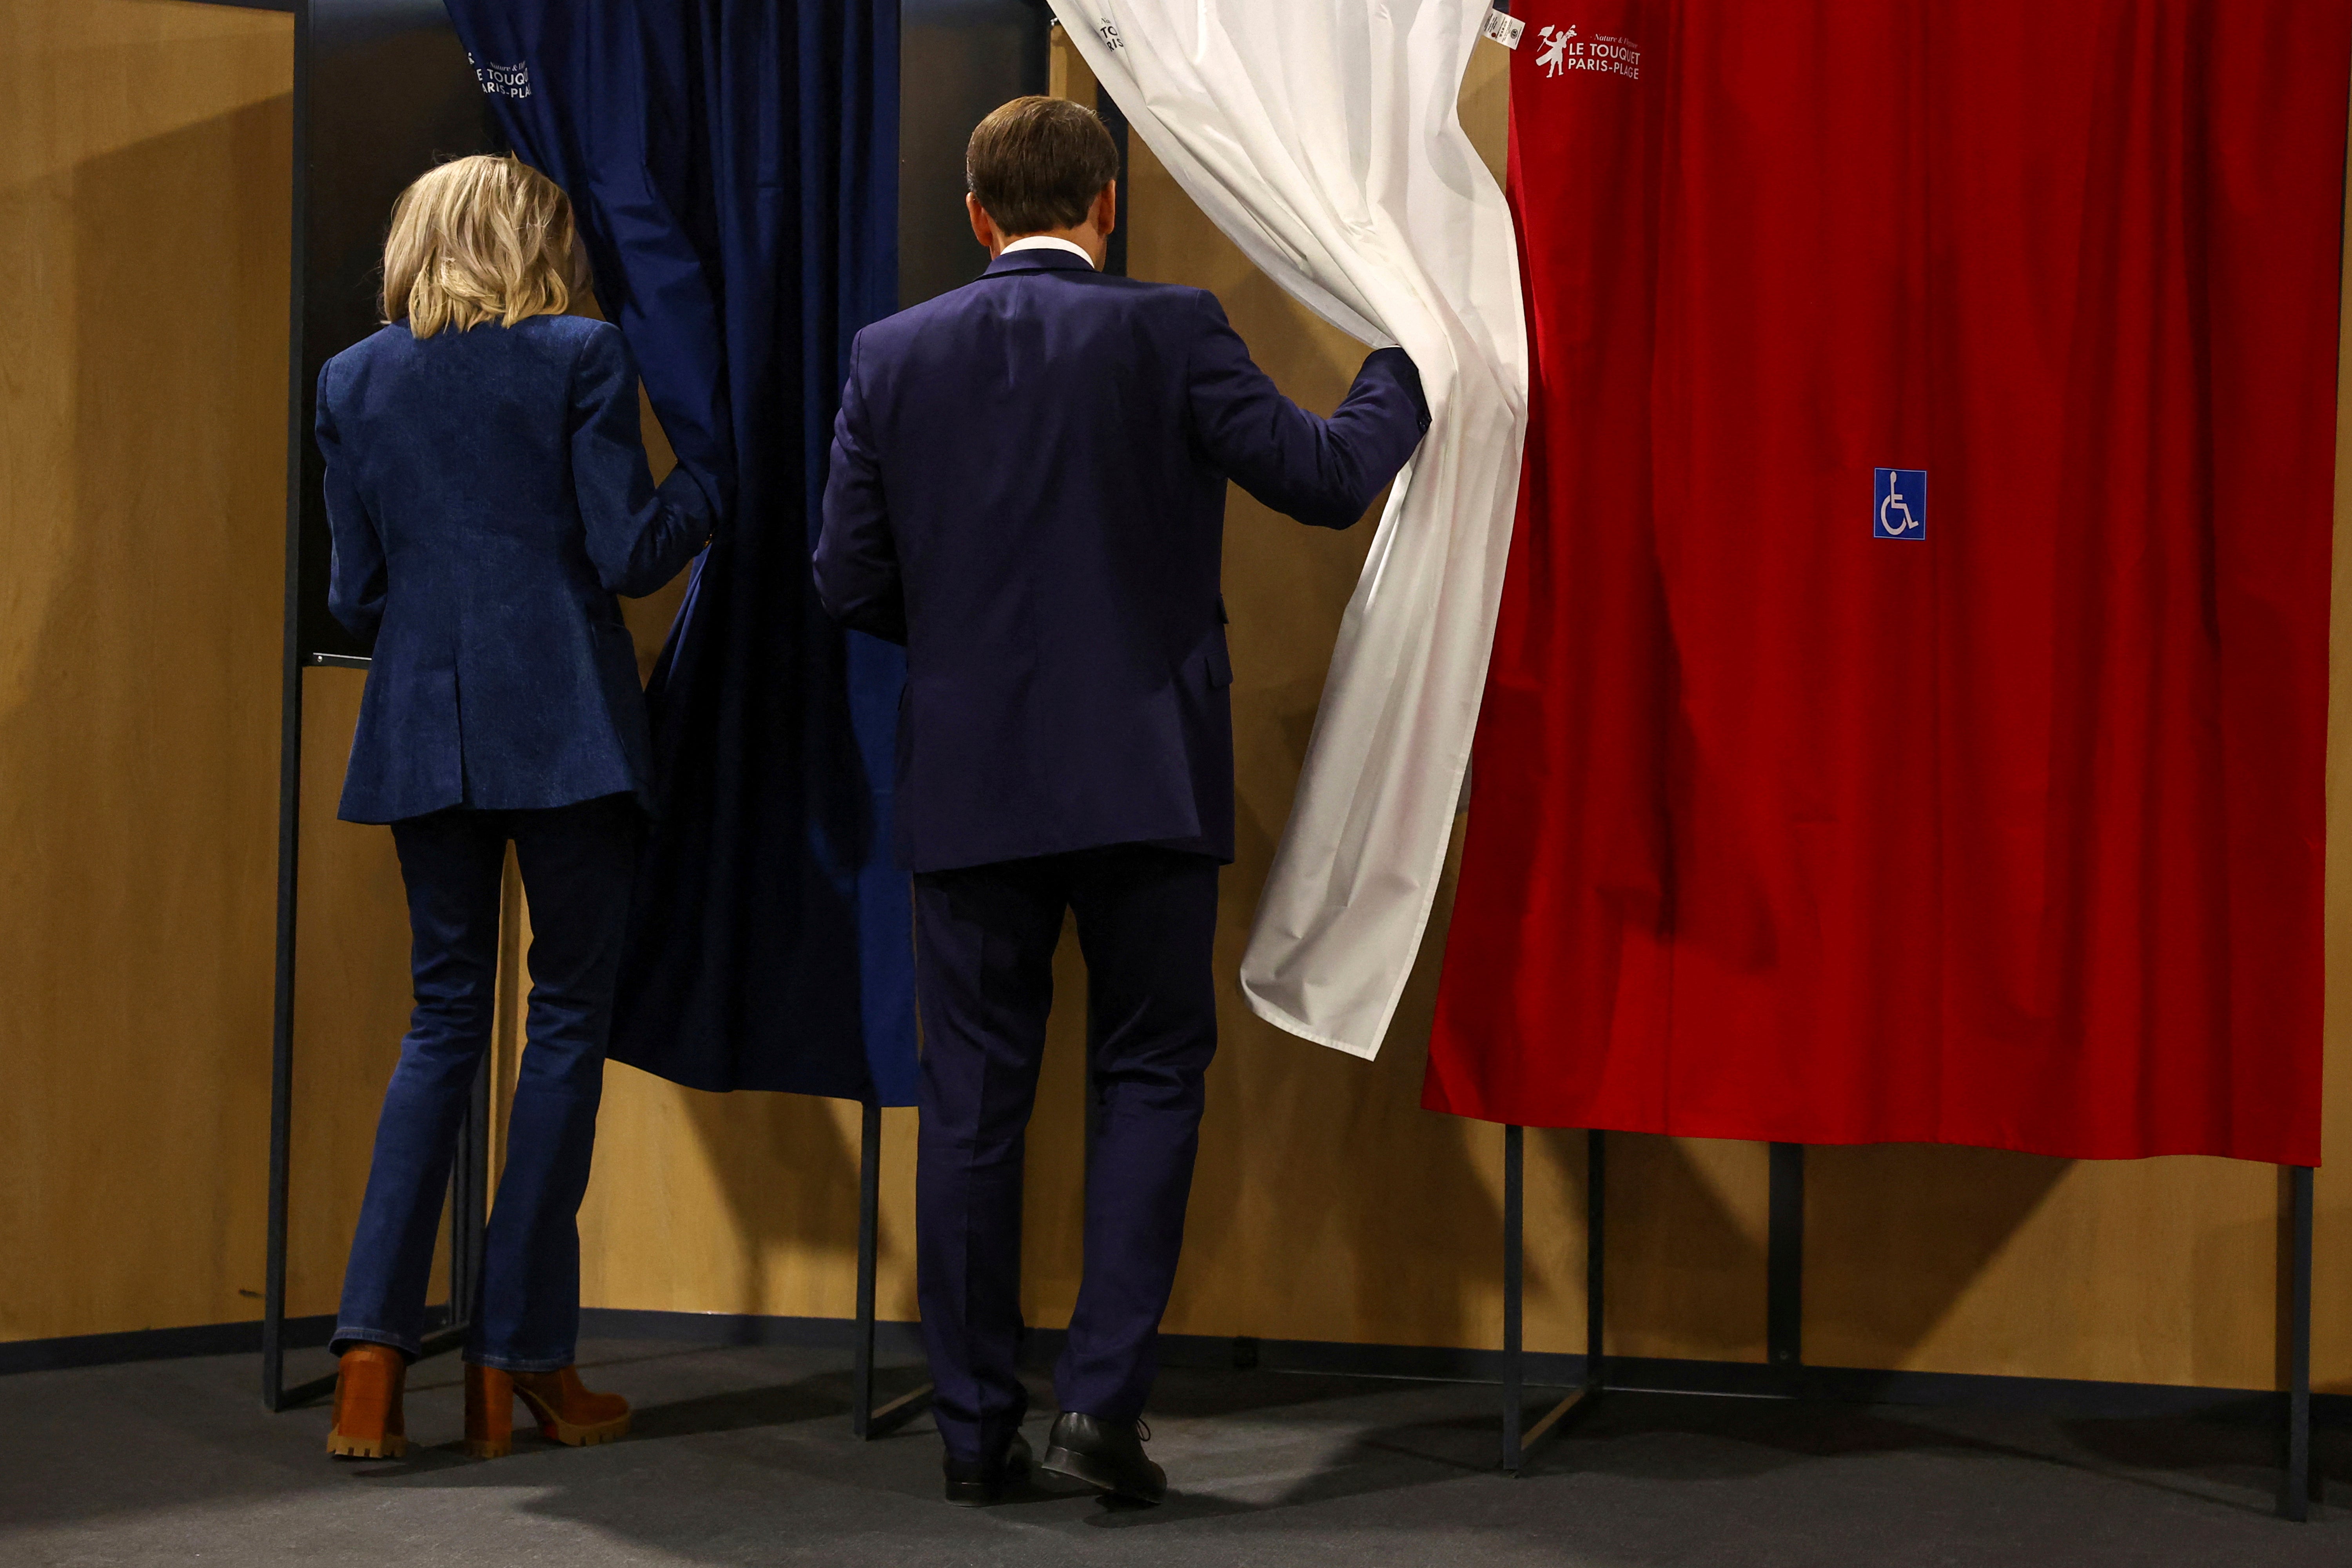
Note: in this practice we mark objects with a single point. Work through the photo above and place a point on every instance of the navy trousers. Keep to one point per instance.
(984, 940)
(577, 863)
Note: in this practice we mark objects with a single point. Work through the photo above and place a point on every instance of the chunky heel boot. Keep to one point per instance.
(569, 1413)
(490, 1412)
(368, 1424)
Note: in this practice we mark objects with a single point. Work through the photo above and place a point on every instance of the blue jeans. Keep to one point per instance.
(577, 864)
(984, 940)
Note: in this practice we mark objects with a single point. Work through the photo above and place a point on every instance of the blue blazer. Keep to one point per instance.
(489, 496)
(1028, 490)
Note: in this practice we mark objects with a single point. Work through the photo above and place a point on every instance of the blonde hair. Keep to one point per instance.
(479, 239)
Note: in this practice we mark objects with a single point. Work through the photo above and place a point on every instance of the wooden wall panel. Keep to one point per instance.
(144, 151)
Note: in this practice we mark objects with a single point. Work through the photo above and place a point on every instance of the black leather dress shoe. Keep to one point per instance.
(976, 1484)
(1104, 1454)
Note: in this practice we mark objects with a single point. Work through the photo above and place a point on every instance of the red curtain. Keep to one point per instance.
(1978, 804)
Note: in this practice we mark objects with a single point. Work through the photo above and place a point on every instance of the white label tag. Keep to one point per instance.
(1504, 29)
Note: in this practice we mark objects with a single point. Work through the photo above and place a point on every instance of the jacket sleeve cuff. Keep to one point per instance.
(686, 493)
(1398, 365)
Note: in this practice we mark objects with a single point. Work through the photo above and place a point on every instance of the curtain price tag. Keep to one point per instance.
(1504, 29)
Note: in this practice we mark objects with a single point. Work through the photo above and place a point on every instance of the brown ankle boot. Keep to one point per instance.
(368, 1422)
(567, 1412)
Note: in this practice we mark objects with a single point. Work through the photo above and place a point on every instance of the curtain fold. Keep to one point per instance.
(733, 167)
(1323, 140)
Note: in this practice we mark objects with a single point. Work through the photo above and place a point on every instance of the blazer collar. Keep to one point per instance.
(1044, 258)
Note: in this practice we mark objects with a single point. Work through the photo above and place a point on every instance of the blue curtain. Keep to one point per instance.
(733, 165)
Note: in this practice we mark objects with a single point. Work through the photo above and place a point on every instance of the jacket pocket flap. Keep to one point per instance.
(1220, 664)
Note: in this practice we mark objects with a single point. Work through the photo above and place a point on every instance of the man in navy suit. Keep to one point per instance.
(1028, 490)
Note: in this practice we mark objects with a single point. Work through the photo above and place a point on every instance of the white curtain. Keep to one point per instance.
(1320, 135)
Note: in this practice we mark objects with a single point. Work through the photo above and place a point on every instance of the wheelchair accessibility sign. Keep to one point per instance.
(1899, 504)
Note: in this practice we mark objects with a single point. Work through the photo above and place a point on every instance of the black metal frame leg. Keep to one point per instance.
(1514, 1288)
(1784, 1267)
(2296, 1481)
(1515, 1444)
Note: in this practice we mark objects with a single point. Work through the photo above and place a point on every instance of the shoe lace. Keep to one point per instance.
(1143, 1430)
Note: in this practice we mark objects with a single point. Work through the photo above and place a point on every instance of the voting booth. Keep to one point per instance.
(384, 88)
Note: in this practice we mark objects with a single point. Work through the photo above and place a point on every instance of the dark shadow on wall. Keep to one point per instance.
(1684, 1267)
(1895, 1234)
(789, 1173)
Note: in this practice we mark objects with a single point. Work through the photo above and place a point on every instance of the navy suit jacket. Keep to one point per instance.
(1028, 490)
(489, 495)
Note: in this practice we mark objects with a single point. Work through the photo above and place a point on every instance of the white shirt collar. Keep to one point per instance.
(1047, 242)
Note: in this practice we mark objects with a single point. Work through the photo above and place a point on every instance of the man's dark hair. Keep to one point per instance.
(1037, 163)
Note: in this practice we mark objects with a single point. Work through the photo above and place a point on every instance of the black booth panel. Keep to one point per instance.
(382, 91)
(958, 60)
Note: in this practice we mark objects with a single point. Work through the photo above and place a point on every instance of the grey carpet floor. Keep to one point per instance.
(743, 1456)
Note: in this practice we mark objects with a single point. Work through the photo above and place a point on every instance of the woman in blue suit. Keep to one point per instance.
(489, 495)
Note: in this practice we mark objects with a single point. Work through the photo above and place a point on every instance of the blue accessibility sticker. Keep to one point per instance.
(1898, 504)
